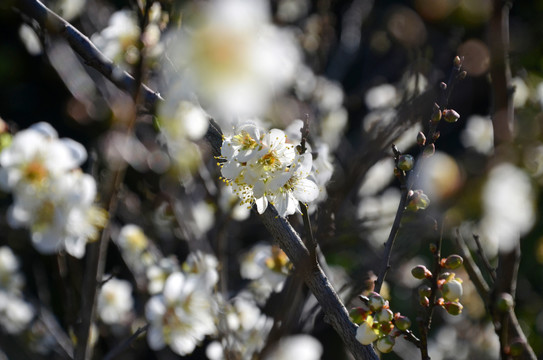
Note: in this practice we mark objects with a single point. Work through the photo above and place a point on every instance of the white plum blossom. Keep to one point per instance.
(479, 134)
(157, 274)
(247, 328)
(51, 196)
(11, 280)
(508, 206)
(181, 316)
(35, 157)
(115, 301)
(265, 168)
(231, 57)
(15, 313)
(268, 266)
(296, 347)
(61, 218)
(203, 265)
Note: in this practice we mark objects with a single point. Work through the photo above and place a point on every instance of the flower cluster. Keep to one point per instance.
(377, 323)
(182, 315)
(268, 267)
(15, 312)
(265, 168)
(448, 284)
(52, 197)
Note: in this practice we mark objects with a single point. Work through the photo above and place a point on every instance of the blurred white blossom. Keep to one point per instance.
(296, 347)
(115, 302)
(51, 196)
(508, 206)
(232, 58)
(15, 313)
(479, 134)
(181, 316)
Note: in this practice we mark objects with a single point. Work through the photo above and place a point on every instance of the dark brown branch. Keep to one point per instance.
(91, 56)
(335, 312)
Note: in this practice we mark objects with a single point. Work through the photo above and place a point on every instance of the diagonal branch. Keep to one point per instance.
(283, 233)
(82, 46)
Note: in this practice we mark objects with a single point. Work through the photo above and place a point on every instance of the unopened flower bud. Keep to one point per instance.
(384, 315)
(453, 262)
(421, 272)
(457, 62)
(385, 344)
(425, 291)
(424, 301)
(366, 334)
(462, 75)
(443, 86)
(453, 308)
(358, 314)
(403, 323)
(436, 136)
(418, 201)
(386, 327)
(376, 302)
(429, 150)
(421, 139)
(452, 290)
(436, 115)
(450, 115)
(405, 162)
(504, 302)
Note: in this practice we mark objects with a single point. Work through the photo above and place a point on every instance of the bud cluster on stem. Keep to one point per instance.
(377, 323)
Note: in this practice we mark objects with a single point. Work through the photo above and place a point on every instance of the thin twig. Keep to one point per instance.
(385, 265)
(472, 269)
(126, 343)
(491, 271)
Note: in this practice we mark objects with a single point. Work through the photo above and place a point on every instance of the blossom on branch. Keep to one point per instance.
(265, 168)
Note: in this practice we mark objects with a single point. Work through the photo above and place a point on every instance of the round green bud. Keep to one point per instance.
(453, 307)
(384, 315)
(405, 162)
(454, 262)
(421, 272)
(385, 344)
(450, 115)
(505, 302)
(403, 323)
(425, 291)
(358, 314)
(376, 302)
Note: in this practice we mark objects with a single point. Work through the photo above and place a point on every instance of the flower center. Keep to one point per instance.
(35, 172)
(245, 141)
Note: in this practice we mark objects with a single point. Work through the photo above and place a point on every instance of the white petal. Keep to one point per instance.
(155, 309)
(77, 151)
(261, 204)
(305, 190)
(75, 246)
(45, 129)
(182, 343)
(173, 288)
(155, 338)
